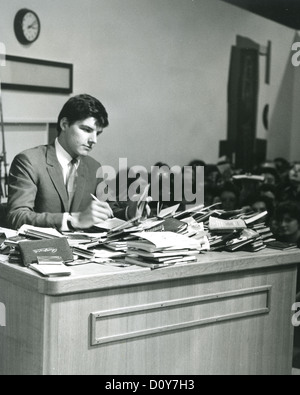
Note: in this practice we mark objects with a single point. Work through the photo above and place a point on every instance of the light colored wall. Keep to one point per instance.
(159, 66)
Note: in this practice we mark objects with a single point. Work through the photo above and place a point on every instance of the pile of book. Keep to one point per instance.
(169, 238)
(243, 232)
(161, 249)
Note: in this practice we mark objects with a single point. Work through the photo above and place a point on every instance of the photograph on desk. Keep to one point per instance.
(149, 188)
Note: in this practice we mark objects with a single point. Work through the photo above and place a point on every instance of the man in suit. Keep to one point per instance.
(51, 186)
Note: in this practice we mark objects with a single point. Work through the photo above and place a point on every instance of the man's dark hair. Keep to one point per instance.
(81, 107)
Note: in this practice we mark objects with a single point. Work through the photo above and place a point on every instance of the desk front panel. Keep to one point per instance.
(220, 324)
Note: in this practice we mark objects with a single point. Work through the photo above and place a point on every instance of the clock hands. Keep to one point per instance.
(32, 25)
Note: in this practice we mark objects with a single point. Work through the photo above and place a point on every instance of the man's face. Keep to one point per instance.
(79, 138)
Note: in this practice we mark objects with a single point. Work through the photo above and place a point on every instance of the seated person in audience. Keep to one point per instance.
(247, 189)
(287, 216)
(211, 195)
(212, 175)
(261, 203)
(51, 185)
(226, 169)
(229, 197)
(283, 167)
(292, 188)
(270, 191)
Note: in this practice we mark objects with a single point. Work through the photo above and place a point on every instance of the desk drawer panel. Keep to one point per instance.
(154, 318)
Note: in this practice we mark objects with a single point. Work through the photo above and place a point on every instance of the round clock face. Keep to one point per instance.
(27, 26)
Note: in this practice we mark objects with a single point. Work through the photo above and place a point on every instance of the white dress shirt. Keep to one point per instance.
(64, 159)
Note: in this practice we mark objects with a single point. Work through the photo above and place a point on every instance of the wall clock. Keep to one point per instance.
(27, 26)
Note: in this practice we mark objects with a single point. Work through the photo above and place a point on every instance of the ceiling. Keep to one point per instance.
(285, 12)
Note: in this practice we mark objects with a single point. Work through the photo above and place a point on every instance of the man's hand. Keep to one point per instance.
(97, 212)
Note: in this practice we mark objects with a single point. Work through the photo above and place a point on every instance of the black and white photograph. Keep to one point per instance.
(149, 190)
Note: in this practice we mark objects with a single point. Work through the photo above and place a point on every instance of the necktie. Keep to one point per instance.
(71, 180)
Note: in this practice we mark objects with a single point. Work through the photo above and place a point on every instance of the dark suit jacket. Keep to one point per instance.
(37, 195)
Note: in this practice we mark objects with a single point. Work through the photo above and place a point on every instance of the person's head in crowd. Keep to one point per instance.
(225, 168)
(269, 171)
(294, 174)
(282, 166)
(261, 203)
(269, 191)
(247, 189)
(212, 175)
(229, 197)
(288, 220)
(211, 195)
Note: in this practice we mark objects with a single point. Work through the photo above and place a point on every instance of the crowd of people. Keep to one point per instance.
(273, 186)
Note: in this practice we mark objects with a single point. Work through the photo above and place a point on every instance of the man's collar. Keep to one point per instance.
(63, 156)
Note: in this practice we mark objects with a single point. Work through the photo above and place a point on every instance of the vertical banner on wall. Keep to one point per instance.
(247, 108)
(242, 145)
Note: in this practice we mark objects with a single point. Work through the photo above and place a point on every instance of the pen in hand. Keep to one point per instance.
(97, 200)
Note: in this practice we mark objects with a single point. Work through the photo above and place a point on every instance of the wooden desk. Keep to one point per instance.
(230, 313)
